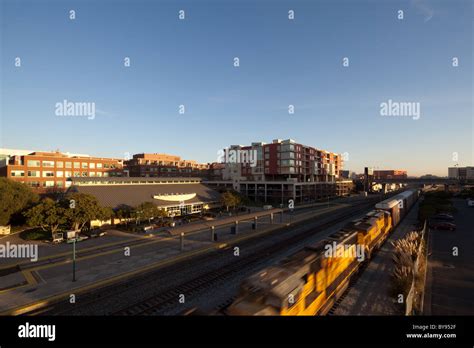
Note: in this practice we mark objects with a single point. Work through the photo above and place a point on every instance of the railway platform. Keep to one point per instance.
(51, 281)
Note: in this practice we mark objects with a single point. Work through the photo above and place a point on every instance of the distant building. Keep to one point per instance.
(461, 173)
(389, 174)
(44, 171)
(164, 165)
(429, 176)
(345, 174)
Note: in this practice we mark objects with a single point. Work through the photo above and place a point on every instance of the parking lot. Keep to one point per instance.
(450, 278)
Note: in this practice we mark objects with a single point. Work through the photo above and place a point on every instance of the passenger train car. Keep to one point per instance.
(312, 279)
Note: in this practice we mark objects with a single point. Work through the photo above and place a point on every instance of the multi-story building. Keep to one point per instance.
(461, 173)
(282, 160)
(390, 174)
(45, 171)
(163, 165)
(280, 171)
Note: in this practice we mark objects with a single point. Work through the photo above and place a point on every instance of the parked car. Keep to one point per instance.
(58, 238)
(445, 213)
(94, 233)
(442, 225)
(445, 217)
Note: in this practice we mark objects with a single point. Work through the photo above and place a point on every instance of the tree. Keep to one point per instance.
(14, 198)
(48, 214)
(147, 210)
(123, 211)
(230, 200)
(162, 213)
(106, 214)
(81, 208)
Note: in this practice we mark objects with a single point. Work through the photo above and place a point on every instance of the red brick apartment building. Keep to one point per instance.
(279, 171)
(45, 171)
(390, 174)
(163, 165)
(286, 159)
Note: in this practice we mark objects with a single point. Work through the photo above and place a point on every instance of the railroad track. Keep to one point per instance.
(351, 284)
(355, 278)
(170, 296)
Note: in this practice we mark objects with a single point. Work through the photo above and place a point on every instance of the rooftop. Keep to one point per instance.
(162, 195)
(108, 181)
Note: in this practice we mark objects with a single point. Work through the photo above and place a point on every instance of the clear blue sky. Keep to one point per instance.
(283, 62)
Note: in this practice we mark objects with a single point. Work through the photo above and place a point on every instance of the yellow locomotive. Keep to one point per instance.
(310, 281)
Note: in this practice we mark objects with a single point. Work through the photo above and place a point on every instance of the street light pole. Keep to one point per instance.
(74, 260)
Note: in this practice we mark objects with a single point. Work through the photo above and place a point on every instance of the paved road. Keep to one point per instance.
(370, 295)
(450, 278)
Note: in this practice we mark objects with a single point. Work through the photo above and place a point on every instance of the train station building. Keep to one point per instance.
(178, 196)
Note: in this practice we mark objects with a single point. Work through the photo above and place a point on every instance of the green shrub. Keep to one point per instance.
(36, 234)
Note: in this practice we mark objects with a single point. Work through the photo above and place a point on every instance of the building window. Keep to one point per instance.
(84, 174)
(48, 184)
(286, 163)
(59, 174)
(77, 164)
(92, 174)
(85, 165)
(48, 164)
(68, 165)
(47, 174)
(68, 174)
(92, 165)
(34, 173)
(17, 173)
(99, 165)
(77, 174)
(59, 164)
(33, 163)
(99, 173)
(288, 147)
(60, 183)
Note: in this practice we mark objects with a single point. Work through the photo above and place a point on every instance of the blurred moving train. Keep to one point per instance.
(312, 279)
